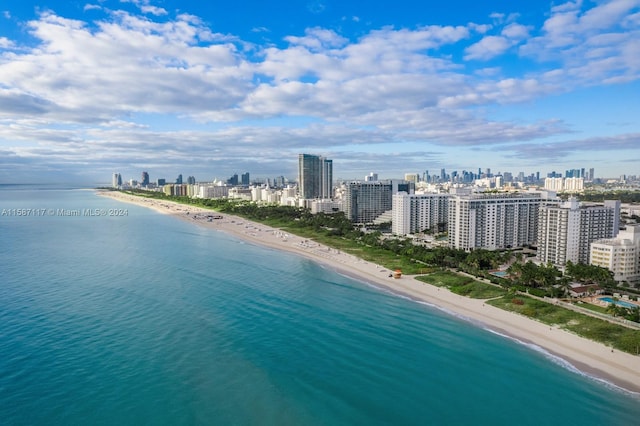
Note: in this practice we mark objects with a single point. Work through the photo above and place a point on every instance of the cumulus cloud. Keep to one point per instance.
(90, 81)
(487, 48)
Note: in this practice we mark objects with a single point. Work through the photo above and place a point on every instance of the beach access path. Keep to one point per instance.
(590, 357)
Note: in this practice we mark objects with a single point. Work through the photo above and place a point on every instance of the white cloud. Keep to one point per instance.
(5, 43)
(516, 31)
(76, 93)
(318, 38)
(487, 48)
(146, 7)
(91, 7)
(491, 46)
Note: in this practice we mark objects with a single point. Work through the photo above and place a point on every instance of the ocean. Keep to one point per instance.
(146, 319)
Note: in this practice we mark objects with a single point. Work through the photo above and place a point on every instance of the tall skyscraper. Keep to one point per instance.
(233, 180)
(145, 179)
(179, 180)
(315, 177)
(244, 179)
(117, 180)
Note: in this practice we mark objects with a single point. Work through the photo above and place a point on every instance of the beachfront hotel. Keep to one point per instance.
(414, 213)
(565, 230)
(493, 221)
(620, 255)
(315, 177)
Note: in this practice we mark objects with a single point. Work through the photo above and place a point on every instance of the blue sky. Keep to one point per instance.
(216, 88)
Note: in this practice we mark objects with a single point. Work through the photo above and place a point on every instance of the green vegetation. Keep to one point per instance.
(462, 285)
(616, 336)
(625, 196)
(594, 308)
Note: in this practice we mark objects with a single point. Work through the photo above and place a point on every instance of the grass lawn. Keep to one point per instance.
(446, 279)
(463, 285)
(617, 336)
(595, 308)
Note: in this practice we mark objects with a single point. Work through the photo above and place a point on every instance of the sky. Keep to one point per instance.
(211, 88)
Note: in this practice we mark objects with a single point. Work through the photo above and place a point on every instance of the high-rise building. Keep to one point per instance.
(414, 213)
(117, 180)
(620, 255)
(145, 179)
(363, 202)
(191, 180)
(493, 221)
(371, 177)
(161, 182)
(559, 184)
(554, 184)
(244, 179)
(565, 230)
(412, 177)
(315, 177)
(179, 180)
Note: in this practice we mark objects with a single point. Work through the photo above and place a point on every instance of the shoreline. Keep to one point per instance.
(590, 358)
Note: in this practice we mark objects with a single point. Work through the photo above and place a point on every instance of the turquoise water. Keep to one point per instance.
(501, 274)
(146, 319)
(618, 302)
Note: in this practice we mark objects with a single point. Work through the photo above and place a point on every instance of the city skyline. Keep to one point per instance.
(89, 89)
(441, 176)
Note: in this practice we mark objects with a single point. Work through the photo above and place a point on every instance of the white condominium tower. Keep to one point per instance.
(566, 230)
(493, 221)
(315, 177)
(621, 254)
(414, 213)
(558, 184)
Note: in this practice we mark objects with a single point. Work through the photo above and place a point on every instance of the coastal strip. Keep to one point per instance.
(591, 358)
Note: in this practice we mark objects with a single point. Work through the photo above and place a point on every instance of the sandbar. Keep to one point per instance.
(589, 357)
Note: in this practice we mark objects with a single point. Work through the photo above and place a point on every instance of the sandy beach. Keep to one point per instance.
(592, 358)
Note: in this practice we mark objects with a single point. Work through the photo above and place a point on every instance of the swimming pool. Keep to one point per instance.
(501, 274)
(618, 302)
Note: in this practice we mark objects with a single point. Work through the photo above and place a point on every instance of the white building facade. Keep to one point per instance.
(493, 221)
(621, 254)
(566, 230)
(413, 213)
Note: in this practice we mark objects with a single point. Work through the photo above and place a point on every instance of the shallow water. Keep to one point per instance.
(149, 319)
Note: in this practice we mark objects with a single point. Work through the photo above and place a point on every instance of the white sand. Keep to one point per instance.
(590, 357)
